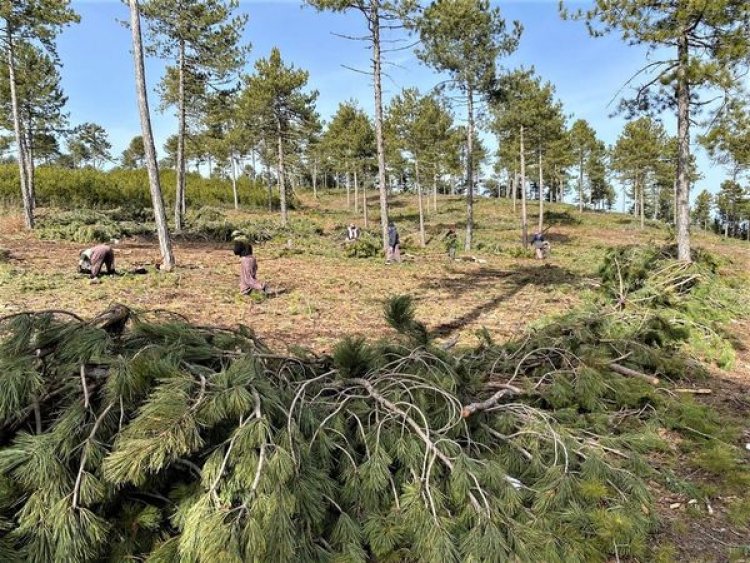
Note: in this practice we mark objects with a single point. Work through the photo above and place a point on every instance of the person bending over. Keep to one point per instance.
(93, 259)
(541, 246)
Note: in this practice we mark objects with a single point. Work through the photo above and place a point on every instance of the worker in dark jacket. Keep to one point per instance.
(394, 244)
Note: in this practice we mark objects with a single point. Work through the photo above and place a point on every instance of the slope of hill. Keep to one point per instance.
(701, 477)
(331, 295)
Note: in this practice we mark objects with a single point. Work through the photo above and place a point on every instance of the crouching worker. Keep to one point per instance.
(93, 259)
(248, 268)
(541, 246)
(352, 234)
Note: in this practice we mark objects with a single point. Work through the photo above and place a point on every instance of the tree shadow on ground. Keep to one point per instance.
(561, 218)
(557, 237)
(487, 278)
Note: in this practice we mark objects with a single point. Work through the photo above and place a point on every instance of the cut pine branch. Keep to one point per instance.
(627, 372)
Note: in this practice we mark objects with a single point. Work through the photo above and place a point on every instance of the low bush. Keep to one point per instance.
(366, 247)
(90, 188)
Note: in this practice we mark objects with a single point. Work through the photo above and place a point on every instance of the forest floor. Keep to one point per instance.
(498, 286)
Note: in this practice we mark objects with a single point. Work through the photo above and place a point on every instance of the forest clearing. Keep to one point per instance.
(698, 493)
(374, 304)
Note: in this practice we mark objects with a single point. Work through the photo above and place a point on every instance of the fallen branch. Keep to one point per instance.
(627, 372)
(84, 455)
(694, 391)
(505, 391)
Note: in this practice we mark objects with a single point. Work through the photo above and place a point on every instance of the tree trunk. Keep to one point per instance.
(356, 192)
(514, 189)
(541, 194)
(364, 202)
(315, 179)
(28, 208)
(655, 215)
(421, 206)
(641, 190)
(282, 183)
(580, 181)
(682, 212)
(234, 182)
(179, 200)
(270, 186)
(374, 21)
(162, 229)
(252, 165)
(524, 220)
(434, 192)
(469, 170)
(30, 172)
(347, 183)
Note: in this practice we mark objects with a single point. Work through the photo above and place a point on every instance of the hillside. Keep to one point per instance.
(697, 471)
(331, 295)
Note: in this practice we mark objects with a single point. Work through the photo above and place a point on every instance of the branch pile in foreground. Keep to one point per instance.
(134, 436)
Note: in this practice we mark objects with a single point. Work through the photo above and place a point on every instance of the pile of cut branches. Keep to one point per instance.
(134, 436)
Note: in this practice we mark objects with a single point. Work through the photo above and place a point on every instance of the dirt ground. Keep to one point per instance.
(327, 296)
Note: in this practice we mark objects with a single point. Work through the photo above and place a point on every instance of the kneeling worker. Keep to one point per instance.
(248, 269)
(352, 233)
(92, 259)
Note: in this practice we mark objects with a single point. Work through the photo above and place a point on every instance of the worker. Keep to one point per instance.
(541, 246)
(91, 260)
(248, 268)
(394, 244)
(352, 233)
(451, 243)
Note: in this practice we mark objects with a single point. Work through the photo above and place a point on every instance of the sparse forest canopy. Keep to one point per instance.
(703, 52)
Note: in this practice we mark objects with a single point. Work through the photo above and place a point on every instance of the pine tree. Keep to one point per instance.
(709, 49)
(728, 140)
(157, 199)
(36, 23)
(40, 102)
(274, 101)
(203, 39)
(584, 143)
(464, 38)
(419, 128)
(349, 145)
(379, 16)
(731, 205)
(527, 117)
(635, 156)
(135, 155)
(89, 144)
(704, 202)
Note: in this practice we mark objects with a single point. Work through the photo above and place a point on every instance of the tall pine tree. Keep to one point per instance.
(464, 38)
(702, 45)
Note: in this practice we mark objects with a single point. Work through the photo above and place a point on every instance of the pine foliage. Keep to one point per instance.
(170, 442)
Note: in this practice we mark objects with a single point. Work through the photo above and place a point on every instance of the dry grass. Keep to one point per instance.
(329, 294)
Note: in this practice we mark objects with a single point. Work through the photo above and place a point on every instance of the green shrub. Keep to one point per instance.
(126, 189)
(366, 247)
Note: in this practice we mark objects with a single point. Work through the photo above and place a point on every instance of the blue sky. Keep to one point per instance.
(588, 73)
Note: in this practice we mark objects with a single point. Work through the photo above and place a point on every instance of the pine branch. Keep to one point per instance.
(505, 391)
(84, 454)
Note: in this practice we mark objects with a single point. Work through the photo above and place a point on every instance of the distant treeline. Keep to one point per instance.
(91, 188)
